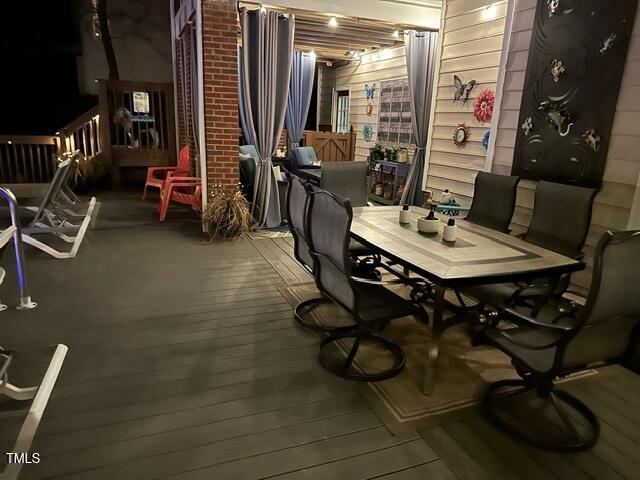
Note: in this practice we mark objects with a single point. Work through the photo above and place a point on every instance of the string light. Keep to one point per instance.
(395, 33)
(333, 23)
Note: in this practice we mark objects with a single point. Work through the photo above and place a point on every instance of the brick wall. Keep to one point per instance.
(220, 41)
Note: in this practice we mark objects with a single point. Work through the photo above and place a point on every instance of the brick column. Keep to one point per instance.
(220, 42)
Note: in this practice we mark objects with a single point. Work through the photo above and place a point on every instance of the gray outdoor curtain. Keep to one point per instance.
(420, 49)
(264, 73)
(303, 69)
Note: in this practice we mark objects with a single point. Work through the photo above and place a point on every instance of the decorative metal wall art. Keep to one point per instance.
(369, 90)
(592, 139)
(483, 105)
(462, 89)
(527, 126)
(557, 69)
(557, 116)
(608, 44)
(461, 135)
(485, 139)
(591, 39)
(367, 132)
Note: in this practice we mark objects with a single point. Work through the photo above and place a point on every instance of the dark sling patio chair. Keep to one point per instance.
(554, 345)
(560, 222)
(297, 207)
(494, 200)
(368, 302)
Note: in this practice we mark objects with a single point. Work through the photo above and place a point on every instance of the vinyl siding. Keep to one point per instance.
(471, 48)
(373, 68)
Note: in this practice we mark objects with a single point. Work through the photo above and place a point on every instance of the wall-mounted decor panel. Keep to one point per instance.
(576, 60)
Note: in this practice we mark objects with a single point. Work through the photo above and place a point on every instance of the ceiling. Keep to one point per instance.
(351, 37)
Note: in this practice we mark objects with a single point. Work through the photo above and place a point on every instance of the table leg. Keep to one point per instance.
(436, 332)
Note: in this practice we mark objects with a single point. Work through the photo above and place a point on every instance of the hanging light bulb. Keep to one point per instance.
(333, 23)
(395, 33)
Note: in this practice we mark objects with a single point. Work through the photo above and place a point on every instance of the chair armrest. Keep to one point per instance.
(537, 323)
(152, 170)
(178, 173)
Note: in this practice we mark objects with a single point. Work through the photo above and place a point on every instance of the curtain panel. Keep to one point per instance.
(303, 70)
(420, 48)
(264, 75)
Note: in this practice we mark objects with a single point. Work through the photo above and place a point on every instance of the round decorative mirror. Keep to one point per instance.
(461, 135)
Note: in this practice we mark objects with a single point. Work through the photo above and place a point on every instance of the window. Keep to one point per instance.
(394, 124)
(342, 112)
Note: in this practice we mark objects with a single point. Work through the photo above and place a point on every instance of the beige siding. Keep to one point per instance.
(373, 68)
(613, 204)
(471, 48)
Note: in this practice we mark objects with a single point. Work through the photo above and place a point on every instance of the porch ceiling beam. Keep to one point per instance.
(384, 40)
(340, 42)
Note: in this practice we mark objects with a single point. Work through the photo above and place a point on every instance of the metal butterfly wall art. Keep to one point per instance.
(369, 90)
(463, 90)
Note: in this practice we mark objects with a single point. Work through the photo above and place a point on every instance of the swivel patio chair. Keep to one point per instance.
(494, 200)
(156, 176)
(554, 345)
(297, 205)
(368, 302)
(346, 180)
(296, 214)
(560, 222)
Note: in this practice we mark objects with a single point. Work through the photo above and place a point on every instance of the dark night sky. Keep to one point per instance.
(39, 43)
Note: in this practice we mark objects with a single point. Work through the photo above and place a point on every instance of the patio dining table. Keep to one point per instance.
(478, 256)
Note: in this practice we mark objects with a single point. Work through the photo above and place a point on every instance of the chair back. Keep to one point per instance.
(328, 232)
(494, 199)
(53, 190)
(347, 180)
(184, 162)
(297, 204)
(612, 310)
(561, 217)
(304, 156)
(251, 151)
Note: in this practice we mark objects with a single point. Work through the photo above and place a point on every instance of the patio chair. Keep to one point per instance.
(553, 345)
(560, 222)
(366, 301)
(156, 176)
(494, 200)
(297, 203)
(347, 180)
(38, 395)
(184, 190)
(57, 212)
(305, 157)
(249, 159)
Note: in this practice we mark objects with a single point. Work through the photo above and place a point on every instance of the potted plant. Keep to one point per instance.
(376, 153)
(391, 154)
(227, 215)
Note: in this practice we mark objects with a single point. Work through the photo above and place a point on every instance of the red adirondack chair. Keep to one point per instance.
(185, 190)
(156, 176)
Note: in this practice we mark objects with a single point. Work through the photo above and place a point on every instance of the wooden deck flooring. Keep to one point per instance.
(184, 362)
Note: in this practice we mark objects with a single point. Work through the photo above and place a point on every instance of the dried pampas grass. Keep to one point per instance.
(227, 216)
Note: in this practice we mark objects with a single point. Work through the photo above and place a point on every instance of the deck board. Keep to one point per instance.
(185, 362)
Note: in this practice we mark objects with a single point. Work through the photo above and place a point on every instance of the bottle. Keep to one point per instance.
(404, 214)
(450, 231)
